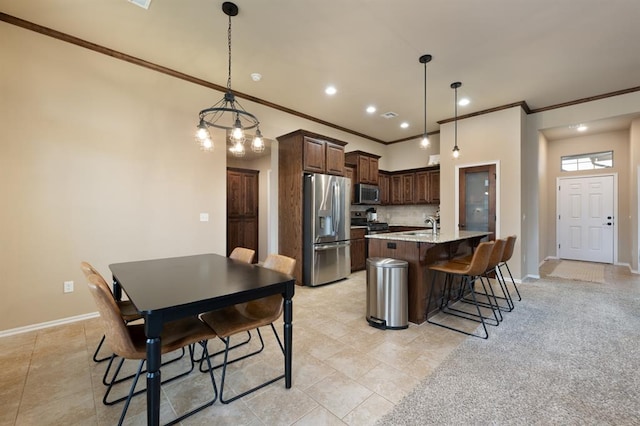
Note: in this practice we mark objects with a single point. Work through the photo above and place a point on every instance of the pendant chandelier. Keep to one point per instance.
(424, 143)
(456, 150)
(228, 114)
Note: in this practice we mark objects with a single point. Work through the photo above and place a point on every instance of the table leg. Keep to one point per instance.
(288, 339)
(117, 289)
(153, 378)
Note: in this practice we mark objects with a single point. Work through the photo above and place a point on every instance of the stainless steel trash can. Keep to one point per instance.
(387, 288)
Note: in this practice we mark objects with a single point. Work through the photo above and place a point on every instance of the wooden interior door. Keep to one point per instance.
(242, 209)
(477, 199)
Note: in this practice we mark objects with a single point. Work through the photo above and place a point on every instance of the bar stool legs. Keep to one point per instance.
(469, 274)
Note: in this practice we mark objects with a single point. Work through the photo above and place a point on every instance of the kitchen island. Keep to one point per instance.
(422, 249)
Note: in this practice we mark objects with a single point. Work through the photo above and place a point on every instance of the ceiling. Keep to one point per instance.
(544, 52)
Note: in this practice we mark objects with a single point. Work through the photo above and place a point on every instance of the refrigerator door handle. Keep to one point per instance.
(336, 207)
(333, 246)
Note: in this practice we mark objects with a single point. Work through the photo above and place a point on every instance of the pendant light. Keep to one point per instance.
(228, 114)
(424, 143)
(456, 150)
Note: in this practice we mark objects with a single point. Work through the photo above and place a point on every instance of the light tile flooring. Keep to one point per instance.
(344, 371)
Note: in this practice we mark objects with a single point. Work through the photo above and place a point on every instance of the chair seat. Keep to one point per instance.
(451, 267)
(128, 310)
(245, 316)
(175, 335)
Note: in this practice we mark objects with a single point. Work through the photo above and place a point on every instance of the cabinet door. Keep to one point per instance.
(350, 173)
(383, 183)
(422, 188)
(314, 155)
(334, 159)
(250, 192)
(234, 193)
(373, 171)
(408, 195)
(396, 192)
(434, 186)
(363, 169)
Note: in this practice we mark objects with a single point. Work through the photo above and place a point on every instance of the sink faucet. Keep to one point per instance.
(432, 221)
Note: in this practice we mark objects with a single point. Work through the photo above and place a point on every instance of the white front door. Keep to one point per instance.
(586, 220)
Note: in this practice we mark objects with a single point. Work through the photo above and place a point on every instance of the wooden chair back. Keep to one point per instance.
(496, 253)
(508, 248)
(480, 259)
(243, 254)
(114, 326)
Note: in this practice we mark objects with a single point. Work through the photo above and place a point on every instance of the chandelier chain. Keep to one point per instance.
(229, 47)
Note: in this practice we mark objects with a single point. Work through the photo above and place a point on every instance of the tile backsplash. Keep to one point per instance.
(402, 215)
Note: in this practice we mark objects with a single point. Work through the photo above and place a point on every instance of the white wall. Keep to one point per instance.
(489, 138)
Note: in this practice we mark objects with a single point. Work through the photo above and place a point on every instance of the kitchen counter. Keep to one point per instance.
(421, 249)
(427, 236)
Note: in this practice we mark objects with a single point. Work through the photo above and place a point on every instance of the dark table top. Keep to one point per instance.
(158, 284)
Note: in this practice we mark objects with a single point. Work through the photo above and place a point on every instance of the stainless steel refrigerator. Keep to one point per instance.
(326, 223)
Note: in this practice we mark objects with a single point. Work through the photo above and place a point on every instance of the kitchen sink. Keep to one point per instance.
(420, 233)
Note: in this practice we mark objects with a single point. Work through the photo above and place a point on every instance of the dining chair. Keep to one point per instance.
(232, 320)
(128, 311)
(243, 254)
(129, 342)
(468, 274)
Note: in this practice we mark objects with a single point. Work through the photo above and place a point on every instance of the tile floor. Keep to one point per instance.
(344, 371)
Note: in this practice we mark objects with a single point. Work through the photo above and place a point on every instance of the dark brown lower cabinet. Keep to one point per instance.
(358, 249)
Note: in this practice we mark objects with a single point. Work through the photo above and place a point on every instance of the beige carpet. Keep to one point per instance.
(580, 271)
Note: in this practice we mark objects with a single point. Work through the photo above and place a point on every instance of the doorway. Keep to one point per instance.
(586, 220)
(242, 209)
(477, 198)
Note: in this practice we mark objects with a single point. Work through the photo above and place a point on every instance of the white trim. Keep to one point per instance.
(48, 324)
(536, 277)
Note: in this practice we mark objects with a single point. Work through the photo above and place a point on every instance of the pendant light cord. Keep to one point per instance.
(425, 99)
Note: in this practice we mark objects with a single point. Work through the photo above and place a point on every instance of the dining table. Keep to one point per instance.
(168, 289)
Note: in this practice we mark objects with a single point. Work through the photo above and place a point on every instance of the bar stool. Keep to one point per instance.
(494, 259)
(468, 274)
(506, 255)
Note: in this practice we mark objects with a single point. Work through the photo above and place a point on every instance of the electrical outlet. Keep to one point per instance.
(204, 217)
(68, 287)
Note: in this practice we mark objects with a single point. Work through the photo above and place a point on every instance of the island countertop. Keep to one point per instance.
(427, 236)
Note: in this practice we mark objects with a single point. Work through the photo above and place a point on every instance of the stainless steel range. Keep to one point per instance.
(360, 218)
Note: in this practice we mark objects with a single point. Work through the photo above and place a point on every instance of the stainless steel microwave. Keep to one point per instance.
(366, 194)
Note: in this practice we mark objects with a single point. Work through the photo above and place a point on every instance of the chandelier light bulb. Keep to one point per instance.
(207, 145)
(257, 145)
(237, 134)
(202, 133)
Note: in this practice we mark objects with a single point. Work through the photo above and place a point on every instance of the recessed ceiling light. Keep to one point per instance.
(404, 125)
(371, 109)
(142, 3)
(330, 90)
(464, 102)
(256, 76)
(582, 128)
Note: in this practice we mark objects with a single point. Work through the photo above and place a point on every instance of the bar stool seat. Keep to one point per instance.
(468, 274)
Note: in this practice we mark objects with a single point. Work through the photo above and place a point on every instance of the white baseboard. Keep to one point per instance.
(535, 277)
(48, 324)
